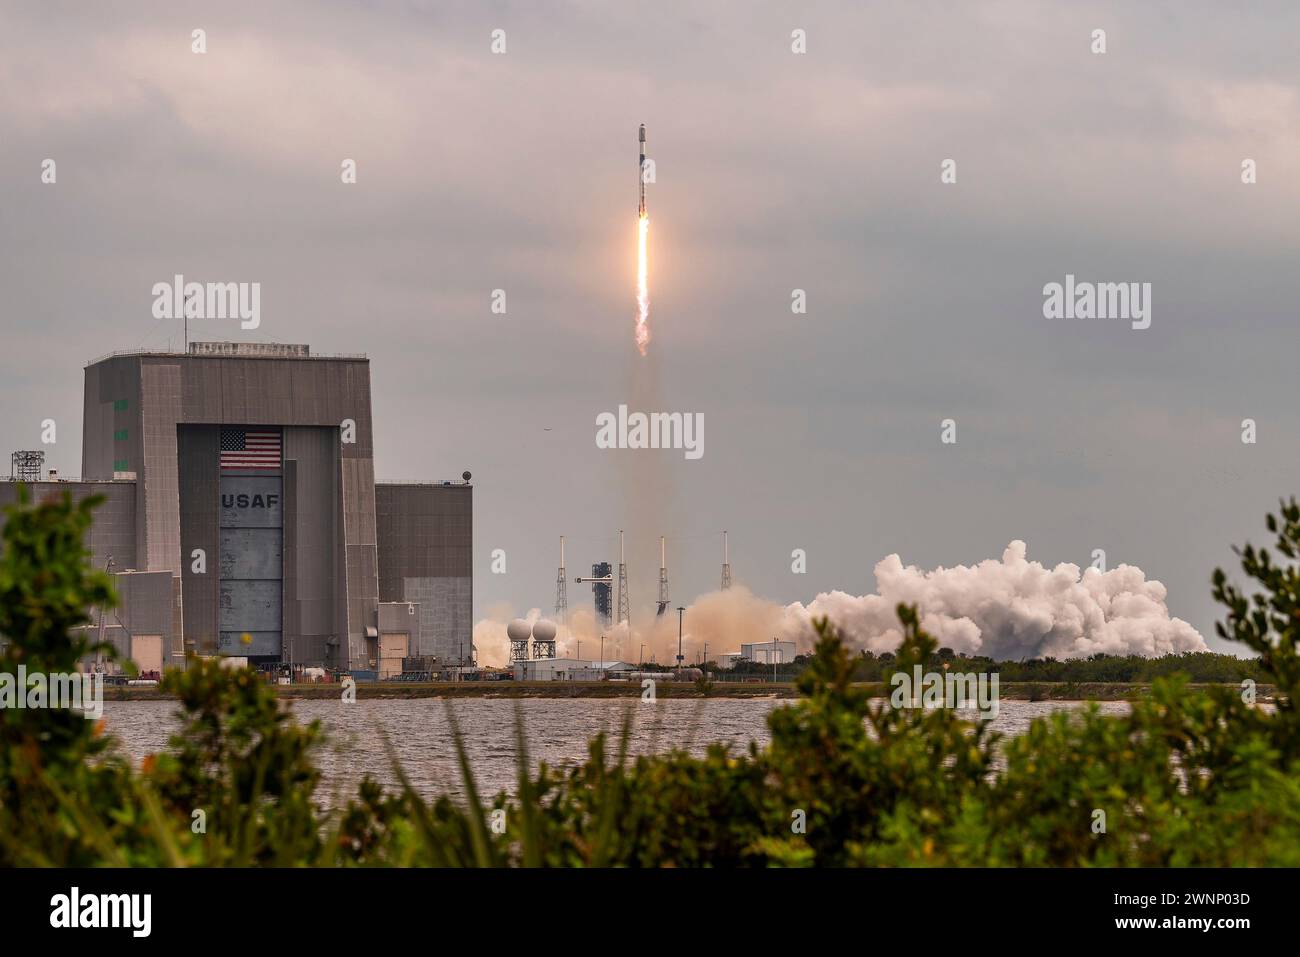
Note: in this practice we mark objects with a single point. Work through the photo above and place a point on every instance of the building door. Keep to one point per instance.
(147, 652)
(250, 593)
(392, 649)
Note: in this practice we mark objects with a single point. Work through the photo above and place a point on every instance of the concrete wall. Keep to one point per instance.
(767, 651)
(400, 617)
(159, 480)
(198, 447)
(146, 607)
(315, 609)
(426, 555)
(111, 407)
(360, 556)
(113, 531)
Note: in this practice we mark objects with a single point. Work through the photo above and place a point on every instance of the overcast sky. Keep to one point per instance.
(775, 171)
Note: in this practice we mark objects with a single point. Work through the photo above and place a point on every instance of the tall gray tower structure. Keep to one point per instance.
(622, 582)
(663, 577)
(726, 564)
(561, 591)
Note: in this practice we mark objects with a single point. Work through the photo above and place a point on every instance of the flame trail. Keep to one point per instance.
(642, 286)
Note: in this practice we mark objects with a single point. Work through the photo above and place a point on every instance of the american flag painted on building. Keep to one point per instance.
(250, 448)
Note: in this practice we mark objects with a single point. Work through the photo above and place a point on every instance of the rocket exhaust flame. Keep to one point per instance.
(642, 287)
(642, 234)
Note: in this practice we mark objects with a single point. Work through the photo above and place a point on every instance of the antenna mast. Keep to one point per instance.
(663, 577)
(561, 592)
(622, 582)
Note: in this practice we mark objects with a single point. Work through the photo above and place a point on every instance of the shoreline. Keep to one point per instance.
(1009, 691)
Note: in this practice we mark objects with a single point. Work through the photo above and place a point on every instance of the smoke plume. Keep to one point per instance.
(1008, 609)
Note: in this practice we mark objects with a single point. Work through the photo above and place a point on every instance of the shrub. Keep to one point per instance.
(1187, 778)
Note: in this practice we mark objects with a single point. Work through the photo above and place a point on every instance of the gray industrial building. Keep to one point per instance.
(241, 493)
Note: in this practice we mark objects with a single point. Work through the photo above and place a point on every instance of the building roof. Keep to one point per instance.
(581, 663)
(234, 350)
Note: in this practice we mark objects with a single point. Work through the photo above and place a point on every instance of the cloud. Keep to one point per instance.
(775, 171)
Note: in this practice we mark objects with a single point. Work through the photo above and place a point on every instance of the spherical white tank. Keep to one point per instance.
(544, 630)
(518, 630)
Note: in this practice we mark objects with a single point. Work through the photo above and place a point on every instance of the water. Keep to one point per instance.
(557, 731)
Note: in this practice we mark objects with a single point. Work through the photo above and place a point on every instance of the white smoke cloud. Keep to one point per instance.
(1008, 610)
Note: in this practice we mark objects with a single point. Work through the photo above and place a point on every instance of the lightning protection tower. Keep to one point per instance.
(726, 564)
(663, 577)
(622, 582)
(561, 592)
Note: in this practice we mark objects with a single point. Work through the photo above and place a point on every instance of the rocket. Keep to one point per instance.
(640, 172)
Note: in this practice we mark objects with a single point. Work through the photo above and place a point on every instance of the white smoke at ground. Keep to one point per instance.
(714, 623)
(1009, 609)
(491, 646)
(580, 638)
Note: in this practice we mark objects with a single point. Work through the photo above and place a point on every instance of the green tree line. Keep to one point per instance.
(1202, 667)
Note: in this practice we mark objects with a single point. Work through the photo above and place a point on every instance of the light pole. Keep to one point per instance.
(602, 657)
(680, 611)
(774, 659)
(641, 662)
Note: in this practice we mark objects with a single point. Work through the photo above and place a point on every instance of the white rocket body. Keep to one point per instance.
(640, 172)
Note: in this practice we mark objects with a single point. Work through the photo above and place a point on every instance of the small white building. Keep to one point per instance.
(769, 652)
(568, 669)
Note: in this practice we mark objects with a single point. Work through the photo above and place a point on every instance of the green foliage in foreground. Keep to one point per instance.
(1186, 779)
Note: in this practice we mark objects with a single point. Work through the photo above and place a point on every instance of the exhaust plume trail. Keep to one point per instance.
(642, 285)
(642, 234)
